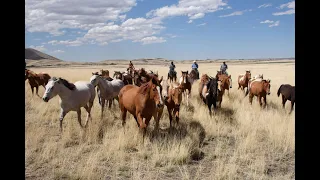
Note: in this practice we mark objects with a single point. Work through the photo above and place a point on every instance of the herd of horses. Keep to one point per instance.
(144, 95)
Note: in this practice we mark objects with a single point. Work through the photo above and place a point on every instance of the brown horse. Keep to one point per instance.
(36, 80)
(141, 102)
(287, 93)
(172, 95)
(105, 74)
(243, 80)
(186, 83)
(260, 89)
(126, 78)
(225, 82)
(194, 75)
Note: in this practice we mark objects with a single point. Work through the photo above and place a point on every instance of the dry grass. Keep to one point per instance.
(239, 142)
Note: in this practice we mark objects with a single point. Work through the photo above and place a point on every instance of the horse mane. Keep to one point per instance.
(69, 85)
(143, 89)
(31, 72)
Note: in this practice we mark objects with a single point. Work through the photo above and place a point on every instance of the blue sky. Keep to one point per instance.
(96, 30)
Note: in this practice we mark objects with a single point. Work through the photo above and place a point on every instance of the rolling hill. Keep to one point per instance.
(32, 54)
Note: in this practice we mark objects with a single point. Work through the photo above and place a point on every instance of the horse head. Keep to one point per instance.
(94, 80)
(248, 75)
(175, 94)
(52, 89)
(267, 86)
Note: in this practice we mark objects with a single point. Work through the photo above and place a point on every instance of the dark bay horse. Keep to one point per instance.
(36, 80)
(210, 94)
(142, 102)
(243, 80)
(172, 76)
(194, 75)
(186, 83)
(287, 93)
(260, 89)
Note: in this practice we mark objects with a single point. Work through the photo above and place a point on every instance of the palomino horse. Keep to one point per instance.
(141, 102)
(36, 80)
(260, 89)
(243, 80)
(172, 95)
(209, 93)
(126, 78)
(186, 82)
(287, 93)
(72, 97)
(108, 89)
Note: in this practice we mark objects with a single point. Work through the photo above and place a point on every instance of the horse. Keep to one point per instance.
(186, 83)
(260, 89)
(210, 93)
(221, 75)
(226, 82)
(108, 89)
(243, 80)
(172, 76)
(126, 78)
(287, 93)
(194, 74)
(258, 77)
(72, 97)
(172, 95)
(141, 102)
(36, 80)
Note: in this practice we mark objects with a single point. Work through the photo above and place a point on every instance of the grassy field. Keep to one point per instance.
(239, 142)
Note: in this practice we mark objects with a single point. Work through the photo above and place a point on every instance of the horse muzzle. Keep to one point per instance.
(45, 99)
(159, 105)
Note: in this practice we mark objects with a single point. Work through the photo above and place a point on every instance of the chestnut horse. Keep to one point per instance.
(141, 102)
(226, 82)
(186, 83)
(260, 89)
(172, 95)
(243, 80)
(36, 80)
(287, 93)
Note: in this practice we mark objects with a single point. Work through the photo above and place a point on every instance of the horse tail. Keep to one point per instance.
(278, 93)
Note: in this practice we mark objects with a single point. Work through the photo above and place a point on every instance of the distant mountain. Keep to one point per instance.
(33, 54)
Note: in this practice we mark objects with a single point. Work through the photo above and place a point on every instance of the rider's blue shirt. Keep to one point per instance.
(194, 66)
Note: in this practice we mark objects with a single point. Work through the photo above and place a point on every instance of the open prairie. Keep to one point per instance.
(241, 141)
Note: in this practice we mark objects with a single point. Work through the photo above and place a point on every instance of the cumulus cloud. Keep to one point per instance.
(265, 5)
(39, 48)
(76, 42)
(53, 15)
(236, 13)
(151, 40)
(274, 24)
(229, 7)
(290, 6)
(194, 9)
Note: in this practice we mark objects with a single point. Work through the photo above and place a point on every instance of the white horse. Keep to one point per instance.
(72, 97)
(108, 89)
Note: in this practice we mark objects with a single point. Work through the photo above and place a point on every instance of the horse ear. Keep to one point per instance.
(229, 76)
(161, 79)
(92, 73)
(187, 72)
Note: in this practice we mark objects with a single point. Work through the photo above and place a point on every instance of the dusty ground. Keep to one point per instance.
(240, 142)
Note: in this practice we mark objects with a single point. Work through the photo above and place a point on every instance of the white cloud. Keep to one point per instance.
(266, 21)
(265, 5)
(290, 5)
(58, 51)
(274, 24)
(76, 42)
(229, 7)
(53, 15)
(236, 13)
(39, 48)
(190, 21)
(151, 40)
(194, 9)
(203, 24)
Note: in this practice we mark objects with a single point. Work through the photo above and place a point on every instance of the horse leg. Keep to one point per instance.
(209, 104)
(110, 102)
(259, 99)
(284, 100)
(292, 104)
(157, 118)
(135, 117)
(102, 106)
(88, 109)
(265, 101)
(170, 116)
(79, 117)
(124, 116)
(250, 98)
(32, 89)
(62, 115)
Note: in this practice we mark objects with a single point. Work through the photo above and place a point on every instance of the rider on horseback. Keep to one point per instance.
(195, 67)
(171, 69)
(224, 68)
